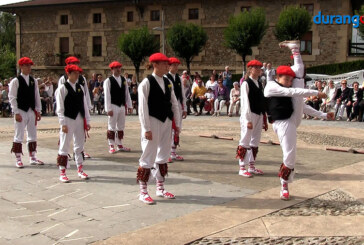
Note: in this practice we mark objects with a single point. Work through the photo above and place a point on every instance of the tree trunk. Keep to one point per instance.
(137, 67)
(188, 62)
(244, 64)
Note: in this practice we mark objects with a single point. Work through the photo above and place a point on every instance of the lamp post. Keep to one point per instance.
(161, 29)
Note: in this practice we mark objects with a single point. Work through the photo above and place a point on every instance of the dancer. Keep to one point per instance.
(158, 106)
(285, 109)
(26, 105)
(74, 118)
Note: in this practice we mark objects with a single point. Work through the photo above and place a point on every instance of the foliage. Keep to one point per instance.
(245, 31)
(7, 62)
(138, 44)
(338, 68)
(187, 41)
(293, 23)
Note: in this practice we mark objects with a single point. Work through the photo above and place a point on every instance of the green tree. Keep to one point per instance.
(7, 45)
(138, 44)
(187, 41)
(7, 62)
(293, 23)
(245, 31)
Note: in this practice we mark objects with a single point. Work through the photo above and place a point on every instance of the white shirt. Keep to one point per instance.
(107, 87)
(143, 109)
(13, 94)
(270, 74)
(330, 92)
(209, 95)
(61, 96)
(62, 80)
(210, 84)
(297, 91)
(245, 105)
(49, 90)
(183, 91)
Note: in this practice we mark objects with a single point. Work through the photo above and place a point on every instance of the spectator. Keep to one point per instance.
(187, 89)
(355, 97)
(209, 104)
(198, 97)
(264, 67)
(96, 100)
(270, 73)
(329, 102)
(221, 97)
(262, 77)
(212, 83)
(195, 81)
(6, 109)
(227, 79)
(185, 75)
(99, 82)
(214, 73)
(342, 98)
(315, 102)
(49, 90)
(234, 99)
(134, 98)
(134, 83)
(44, 99)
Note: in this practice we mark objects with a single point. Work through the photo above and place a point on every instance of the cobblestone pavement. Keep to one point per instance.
(283, 241)
(336, 203)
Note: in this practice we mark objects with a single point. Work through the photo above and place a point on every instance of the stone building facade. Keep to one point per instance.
(89, 29)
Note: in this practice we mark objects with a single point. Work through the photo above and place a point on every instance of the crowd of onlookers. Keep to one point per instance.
(208, 97)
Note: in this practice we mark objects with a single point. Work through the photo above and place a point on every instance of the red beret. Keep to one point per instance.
(25, 61)
(285, 70)
(115, 64)
(71, 68)
(173, 60)
(254, 63)
(158, 57)
(72, 59)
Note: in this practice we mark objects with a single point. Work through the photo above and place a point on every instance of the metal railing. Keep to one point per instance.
(356, 49)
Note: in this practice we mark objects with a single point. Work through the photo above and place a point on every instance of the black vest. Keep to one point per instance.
(177, 87)
(73, 103)
(159, 103)
(117, 93)
(26, 94)
(279, 108)
(256, 97)
(80, 80)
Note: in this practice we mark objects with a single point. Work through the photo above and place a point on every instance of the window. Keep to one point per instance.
(306, 43)
(193, 14)
(308, 7)
(64, 19)
(96, 46)
(64, 49)
(97, 18)
(130, 16)
(154, 15)
(245, 8)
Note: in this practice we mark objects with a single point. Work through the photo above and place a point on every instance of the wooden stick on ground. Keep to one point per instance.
(216, 137)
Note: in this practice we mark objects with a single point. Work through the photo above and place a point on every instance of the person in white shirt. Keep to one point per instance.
(234, 99)
(179, 92)
(74, 120)
(329, 102)
(26, 106)
(117, 97)
(212, 83)
(158, 106)
(251, 120)
(72, 60)
(209, 103)
(49, 90)
(285, 108)
(270, 73)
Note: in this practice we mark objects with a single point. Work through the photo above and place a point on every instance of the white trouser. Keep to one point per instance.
(116, 122)
(237, 105)
(28, 123)
(77, 132)
(180, 122)
(250, 137)
(158, 149)
(341, 109)
(287, 134)
(218, 105)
